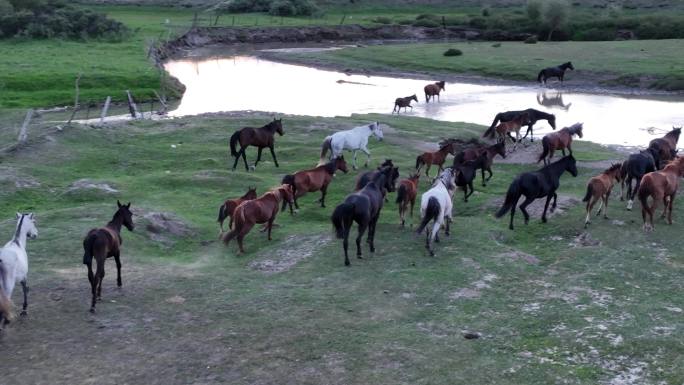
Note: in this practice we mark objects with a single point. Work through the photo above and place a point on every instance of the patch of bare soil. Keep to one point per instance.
(163, 227)
(516, 255)
(88, 184)
(475, 289)
(12, 176)
(585, 240)
(290, 252)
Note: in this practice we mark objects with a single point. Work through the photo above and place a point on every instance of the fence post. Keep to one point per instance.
(76, 105)
(23, 134)
(104, 109)
(131, 105)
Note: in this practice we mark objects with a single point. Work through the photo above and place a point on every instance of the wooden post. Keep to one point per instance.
(105, 108)
(76, 106)
(131, 105)
(23, 134)
(343, 17)
(443, 22)
(88, 111)
(162, 101)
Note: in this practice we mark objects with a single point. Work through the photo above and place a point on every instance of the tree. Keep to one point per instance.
(534, 9)
(555, 15)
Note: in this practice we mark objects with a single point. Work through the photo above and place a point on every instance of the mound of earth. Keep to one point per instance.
(163, 227)
(89, 187)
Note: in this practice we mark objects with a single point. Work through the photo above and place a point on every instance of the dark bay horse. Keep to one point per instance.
(432, 90)
(406, 195)
(315, 179)
(660, 186)
(466, 172)
(404, 103)
(260, 210)
(260, 137)
(228, 207)
(533, 115)
(554, 72)
(390, 173)
(534, 185)
(635, 167)
(599, 187)
(362, 207)
(446, 147)
(473, 153)
(102, 243)
(559, 141)
(667, 145)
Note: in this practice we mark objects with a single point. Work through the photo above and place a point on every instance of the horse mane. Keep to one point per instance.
(613, 167)
(331, 166)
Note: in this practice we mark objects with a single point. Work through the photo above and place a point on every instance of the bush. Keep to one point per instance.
(427, 23)
(243, 6)
(453, 52)
(405, 22)
(382, 20)
(595, 34)
(532, 40)
(485, 12)
(282, 8)
(427, 16)
(478, 22)
(534, 9)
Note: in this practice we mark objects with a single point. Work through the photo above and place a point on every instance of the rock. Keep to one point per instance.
(166, 223)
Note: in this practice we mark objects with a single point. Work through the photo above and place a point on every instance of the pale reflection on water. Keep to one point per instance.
(248, 83)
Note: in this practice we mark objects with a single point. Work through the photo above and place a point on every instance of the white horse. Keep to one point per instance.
(14, 266)
(355, 139)
(435, 204)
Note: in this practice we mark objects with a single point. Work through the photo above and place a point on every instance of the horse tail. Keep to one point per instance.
(431, 212)
(239, 220)
(539, 77)
(644, 192)
(419, 161)
(341, 217)
(222, 215)
(512, 197)
(5, 301)
(88, 249)
(589, 194)
(233, 143)
(491, 131)
(290, 180)
(402, 194)
(545, 152)
(327, 145)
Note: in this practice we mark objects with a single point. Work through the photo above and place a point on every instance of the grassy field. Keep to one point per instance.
(549, 309)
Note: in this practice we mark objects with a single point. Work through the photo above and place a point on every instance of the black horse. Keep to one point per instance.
(533, 116)
(390, 173)
(538, 184)
(473, 153)
(259, 137)
(362, 207)
(467, 171)
(635, 167)
(554, 72)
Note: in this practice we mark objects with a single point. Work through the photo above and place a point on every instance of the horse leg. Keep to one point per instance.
(546, 207)
(669, 214)
(269, 225)
(258, 156)
(354, 160)
(365, 150)
(402, 208)
(633, 193)
(605, 203)
(515, 204)
(117, 259)
(472, 190)
(237, 159)
(563, 151)
(324, 190)
(93, 286)
(524, 205)
(99, 275)
(371, 233)
(555, 199)
(244, 157)
(427, 169)
(273, 155)
(590, 205)
(25, 290)
(362, 228)
(434, 237)
(345, 245)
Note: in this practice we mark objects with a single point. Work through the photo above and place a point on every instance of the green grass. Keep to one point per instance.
(583, 314)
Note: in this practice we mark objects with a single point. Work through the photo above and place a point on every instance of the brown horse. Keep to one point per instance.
(667, 145)
(505, 128)
(438, 157)
(259, 137)
(400, 103)
(599, 187)
(260, 210)
(660, 185)
(432, 90)
(228, 207)
(102, 243)
(406, 195)
(314, 179)
(559, 140)
(473, 153)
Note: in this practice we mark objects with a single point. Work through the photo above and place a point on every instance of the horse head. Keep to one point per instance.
(414, 97)
(341, 164)
(284, 193)
(126, 215)
(278, 123)
(552, 121)
(500, 148)
(394, 175)
(250, 194)
(569, 66)
(441, 84)
(571, 165)
(577, 129)
(387, 162)
(26, 221)
(376, 130)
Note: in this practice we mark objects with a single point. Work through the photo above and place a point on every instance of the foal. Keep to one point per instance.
(406, 195)
(660, 185)
(405, 102)
(102, 243)
(432, 90)
(473, 153)
(228, 207)
(315, 179)
(559, 141)
(505, 128)
(599, 187)
(446, 147)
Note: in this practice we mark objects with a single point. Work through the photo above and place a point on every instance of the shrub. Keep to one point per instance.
(428, 16)
(531, 40)
(282, 8)
(405, 22)
(555, 14)
(453, 52)
(5, 7)
(595, 34)
(485, 12)
(243, 6)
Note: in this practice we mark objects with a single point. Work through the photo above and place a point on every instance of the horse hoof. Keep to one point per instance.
(543, 220)
(92, 310)
(347, 263)
(359, 257)
(23, 313)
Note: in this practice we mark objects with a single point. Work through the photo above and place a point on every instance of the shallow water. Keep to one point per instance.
(248, 83)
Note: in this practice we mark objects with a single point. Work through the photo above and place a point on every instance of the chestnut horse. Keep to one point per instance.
(559, 140)
(228, 207)
(473, 153)
(405, 102)
(315, 179)
(260, 210)
(260, 137)
(505, 128)
(438, 157)
(660, 185)
(102, 243)
(432, 90)
(599, 187)
(667, 145)
(406, 195)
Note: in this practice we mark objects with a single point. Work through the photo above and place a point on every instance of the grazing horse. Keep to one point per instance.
(362, 207)
(635, 167)
(406, 195)
(505, 128)
(559, 141)
(436, 206)
(537, 184)
(599, 187)
(660, 185)
(14, 266)
(102, 243)
(315, 179)
(554, 72)
(467, 171)
(355, 139)
(667, 145)
(228, 207)
(446, 147)
(400, 103)
(533, 115)
(259, 137)
(432, 90)
(473, 153)
(260, 210)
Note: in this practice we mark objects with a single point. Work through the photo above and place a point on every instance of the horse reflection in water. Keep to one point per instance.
(552, 100)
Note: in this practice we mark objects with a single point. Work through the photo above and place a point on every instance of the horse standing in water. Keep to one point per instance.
(660, 185)
(667, 145)
(14, 266)
(362, 207)
(473, 153)
(505, 128)
(228, 207)
(432, 90)
(436, 206)
(533, 115)
(537, 184)
(260, 137)
(315, 179)
(635, 167)
(599, 187)
(406, 195)
(355, 139)
(404, 103)
(554, 72)
(260, 210)
(438, 157)
(559, 141)
(102, 243)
